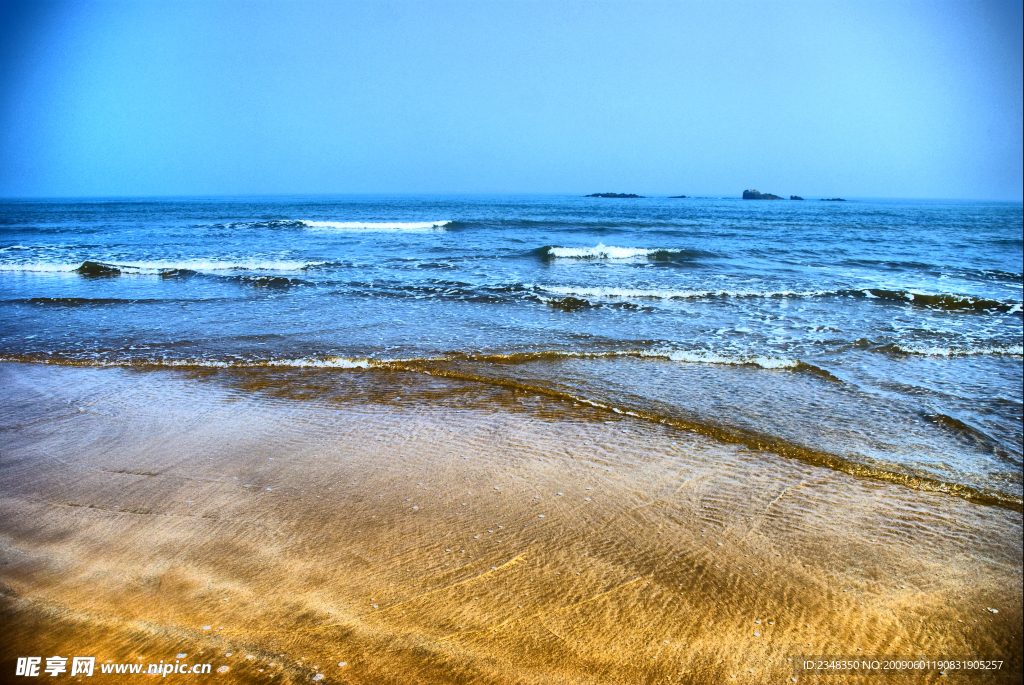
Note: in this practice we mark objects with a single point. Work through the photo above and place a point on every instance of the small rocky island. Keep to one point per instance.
(618, 195)
(832, 199)
(795, 197)
(677, 197)
(754, 195)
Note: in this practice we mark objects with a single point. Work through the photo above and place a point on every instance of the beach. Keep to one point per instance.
(376, 526)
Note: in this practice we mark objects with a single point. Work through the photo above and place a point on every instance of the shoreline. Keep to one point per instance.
(127, 523)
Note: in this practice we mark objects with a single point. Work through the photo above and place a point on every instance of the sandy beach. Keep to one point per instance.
(385, 527)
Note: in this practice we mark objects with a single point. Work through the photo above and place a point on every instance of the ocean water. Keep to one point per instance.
(880, 337)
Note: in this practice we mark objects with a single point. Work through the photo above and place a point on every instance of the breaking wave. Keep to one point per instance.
(602, 251)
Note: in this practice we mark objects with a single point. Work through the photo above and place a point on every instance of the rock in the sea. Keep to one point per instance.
(97, 270)
(677, 197)
(754, 195)
(619, 195)
(832, 199)
(795, 197)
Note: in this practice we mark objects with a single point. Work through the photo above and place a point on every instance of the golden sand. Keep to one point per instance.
(422, 531)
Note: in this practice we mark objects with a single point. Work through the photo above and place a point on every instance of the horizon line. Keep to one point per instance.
(716, 196)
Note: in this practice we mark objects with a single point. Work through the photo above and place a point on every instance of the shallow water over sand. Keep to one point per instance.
(429, 529)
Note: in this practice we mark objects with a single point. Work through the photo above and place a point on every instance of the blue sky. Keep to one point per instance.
(860, 99)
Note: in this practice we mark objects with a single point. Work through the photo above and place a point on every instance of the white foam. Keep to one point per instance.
(708, 357)
(602, 251)
(637, 293)
(376, 226)
(40, 267)
(214, 265)
(1009, 350)
(329, 363)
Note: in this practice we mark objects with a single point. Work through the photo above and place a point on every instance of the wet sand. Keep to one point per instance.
(426, 531)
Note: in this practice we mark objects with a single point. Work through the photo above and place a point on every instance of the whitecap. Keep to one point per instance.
(602, 251)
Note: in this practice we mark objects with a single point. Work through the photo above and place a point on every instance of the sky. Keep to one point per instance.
(855, 99)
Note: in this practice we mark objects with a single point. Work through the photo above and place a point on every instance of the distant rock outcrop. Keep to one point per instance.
(677, 197)
(754, 195)
(618, 195)
(795, 197)
(832, 199)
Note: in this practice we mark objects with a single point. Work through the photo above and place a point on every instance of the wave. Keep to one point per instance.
(602, 251)
(710, 357)
(979, 437)
(376, 226)
(268, 281)
(943, 301)
(97, 267)
(946, 301)
(271, 223)
(84, 301)
(697, 356)
(96, 301)
(935, 351)
(665, 294)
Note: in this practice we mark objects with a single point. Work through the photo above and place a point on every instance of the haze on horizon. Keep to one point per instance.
(859, 99)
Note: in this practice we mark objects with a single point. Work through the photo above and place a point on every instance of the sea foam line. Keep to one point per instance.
(40, 267)
(339, 362)
(709, 357)
(1007, 350)
(658, 294)
(376, 226)
(156, 267)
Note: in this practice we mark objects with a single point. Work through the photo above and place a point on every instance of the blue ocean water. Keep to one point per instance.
(887, 333)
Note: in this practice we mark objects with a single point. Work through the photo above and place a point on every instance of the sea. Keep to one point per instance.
(879, 337)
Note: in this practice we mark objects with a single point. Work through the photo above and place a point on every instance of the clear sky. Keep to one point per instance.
(858, 99)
